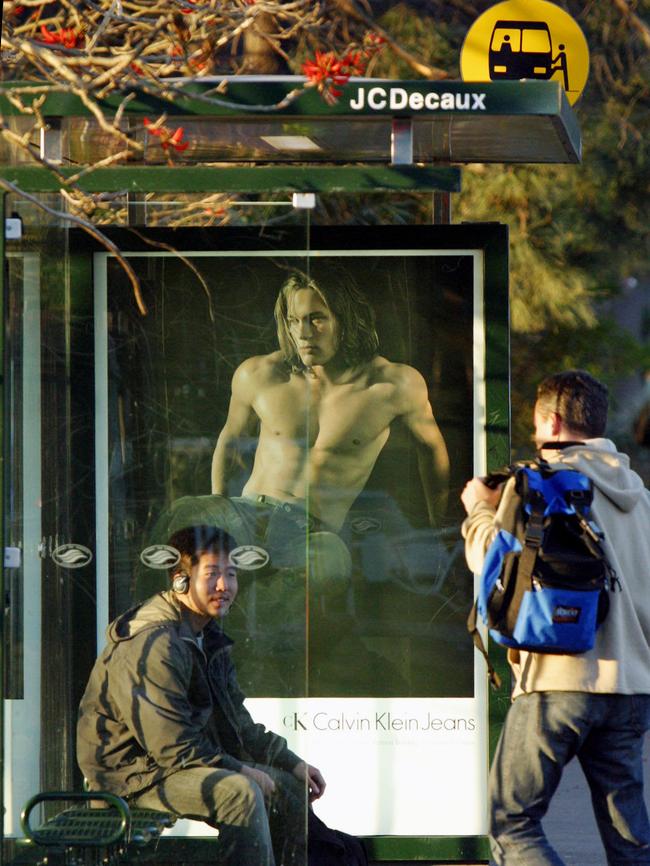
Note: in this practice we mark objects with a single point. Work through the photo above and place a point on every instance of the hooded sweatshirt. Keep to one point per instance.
(619, 662)
(157, 703)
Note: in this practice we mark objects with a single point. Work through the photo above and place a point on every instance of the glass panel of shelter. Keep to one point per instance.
(344, 563)
(169, 391)
(182, 452)
(49, 514)
(353, 591)
(102, 439)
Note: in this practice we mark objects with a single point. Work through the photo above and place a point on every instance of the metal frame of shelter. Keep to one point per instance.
(262, 137)
(385, 136)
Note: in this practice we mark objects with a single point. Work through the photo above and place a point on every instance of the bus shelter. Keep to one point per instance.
(120, 364)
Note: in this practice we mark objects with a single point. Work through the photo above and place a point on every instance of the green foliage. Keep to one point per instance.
(576, 232)
(608, 351)
(430, 38)
(545, 289)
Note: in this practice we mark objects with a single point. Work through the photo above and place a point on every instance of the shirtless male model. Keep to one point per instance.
(324, 404)
(320, 410)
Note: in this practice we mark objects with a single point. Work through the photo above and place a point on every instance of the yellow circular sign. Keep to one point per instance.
(526, 39)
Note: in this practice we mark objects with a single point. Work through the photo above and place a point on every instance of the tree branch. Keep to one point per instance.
(637, 23)
(87, 227)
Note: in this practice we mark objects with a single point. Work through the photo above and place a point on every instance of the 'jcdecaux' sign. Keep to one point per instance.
(397, 99)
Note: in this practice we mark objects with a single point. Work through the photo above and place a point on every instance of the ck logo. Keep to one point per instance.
(295, 721)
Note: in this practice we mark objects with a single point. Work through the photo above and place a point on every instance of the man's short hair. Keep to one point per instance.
(578, 398)
(193, 541)
(358, 338)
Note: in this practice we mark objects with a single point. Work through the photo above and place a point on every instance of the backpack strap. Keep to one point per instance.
(534, 529)
(493, 676)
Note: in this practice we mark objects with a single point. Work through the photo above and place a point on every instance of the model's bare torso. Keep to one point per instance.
(318, 441)
(321, 430)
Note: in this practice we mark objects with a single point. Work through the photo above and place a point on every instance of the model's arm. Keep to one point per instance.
(433, 459)
(241, 421)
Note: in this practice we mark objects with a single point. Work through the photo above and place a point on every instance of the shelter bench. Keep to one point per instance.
(85, 835)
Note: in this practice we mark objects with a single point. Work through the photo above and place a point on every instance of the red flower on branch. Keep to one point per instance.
(374, 41)
(329, 74)
(192, 7)
(372, 44)
(354, 63)
(68, 37)
(199, 62)
(167, 138)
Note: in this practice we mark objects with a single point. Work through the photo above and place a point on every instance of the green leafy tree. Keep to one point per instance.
(577, 232)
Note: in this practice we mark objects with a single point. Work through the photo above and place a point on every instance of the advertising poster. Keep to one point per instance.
(321, 406)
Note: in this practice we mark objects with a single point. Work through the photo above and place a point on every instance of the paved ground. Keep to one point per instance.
(570, 823)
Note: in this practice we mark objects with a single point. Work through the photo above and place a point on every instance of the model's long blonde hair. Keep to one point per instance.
(358, 340)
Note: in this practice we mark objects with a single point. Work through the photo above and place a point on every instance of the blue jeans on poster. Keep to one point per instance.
(543, 731)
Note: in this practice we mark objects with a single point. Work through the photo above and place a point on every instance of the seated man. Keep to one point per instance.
(163, 722)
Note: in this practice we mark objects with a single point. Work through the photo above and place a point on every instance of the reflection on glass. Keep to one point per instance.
(162, 720)
(329, 468)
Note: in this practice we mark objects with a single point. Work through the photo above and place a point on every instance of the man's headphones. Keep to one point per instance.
(181, 582)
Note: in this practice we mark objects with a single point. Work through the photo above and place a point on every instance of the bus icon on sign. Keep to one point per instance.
(524, 49)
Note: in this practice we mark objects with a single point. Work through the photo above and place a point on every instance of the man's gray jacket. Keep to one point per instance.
(157, 703)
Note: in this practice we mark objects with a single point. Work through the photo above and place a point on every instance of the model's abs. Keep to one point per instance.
(329, 478)
(319, 446)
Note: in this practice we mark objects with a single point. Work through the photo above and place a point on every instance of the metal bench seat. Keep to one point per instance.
(86, 834)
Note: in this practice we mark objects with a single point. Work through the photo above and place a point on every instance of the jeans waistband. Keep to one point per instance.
(298, 505)
(296, 510)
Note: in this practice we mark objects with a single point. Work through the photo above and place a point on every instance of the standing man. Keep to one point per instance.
(596, 705)
(163, 722)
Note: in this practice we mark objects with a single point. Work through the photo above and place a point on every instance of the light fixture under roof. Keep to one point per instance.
(291, 142)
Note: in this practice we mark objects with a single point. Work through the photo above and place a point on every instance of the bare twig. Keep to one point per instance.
(87, 227)
(637, 23)
(184, 259)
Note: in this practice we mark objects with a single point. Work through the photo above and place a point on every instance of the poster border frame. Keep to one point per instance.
(492, 240)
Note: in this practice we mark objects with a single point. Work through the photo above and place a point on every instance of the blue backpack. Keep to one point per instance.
(545, 579)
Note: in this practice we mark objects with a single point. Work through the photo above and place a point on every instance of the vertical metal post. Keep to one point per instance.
(441, 208)
(3, 272)
(51, 143)
(401, 142)
(136, 209)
